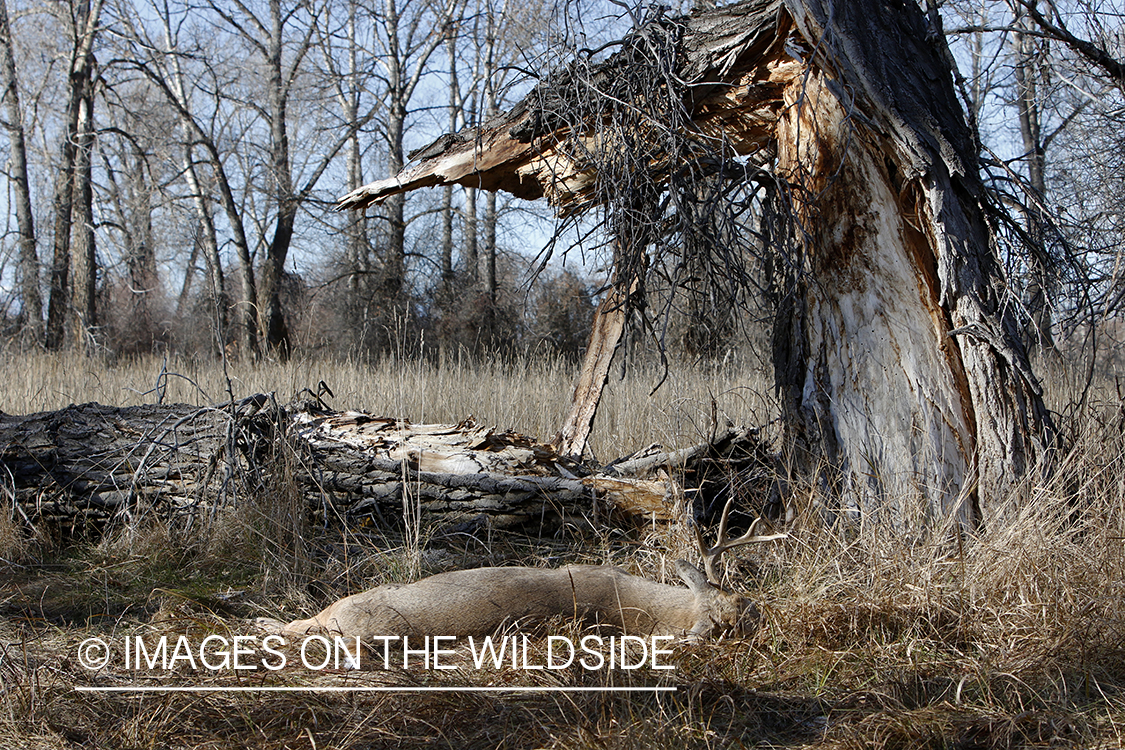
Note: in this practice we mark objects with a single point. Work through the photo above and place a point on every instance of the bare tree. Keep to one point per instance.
(1046, 67)
(76, 143)
(455, 106)
(31, 301)
(351, 83)
(282, 39)
(1094, 47)
(135, 126)
(409, 33)
(204, 124)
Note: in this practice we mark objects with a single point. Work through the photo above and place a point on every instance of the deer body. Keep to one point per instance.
(481, 600)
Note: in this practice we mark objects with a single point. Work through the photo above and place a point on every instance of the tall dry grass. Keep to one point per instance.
(1007, 637)
(530, 394)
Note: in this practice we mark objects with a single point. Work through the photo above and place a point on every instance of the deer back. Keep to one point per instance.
(481, 600)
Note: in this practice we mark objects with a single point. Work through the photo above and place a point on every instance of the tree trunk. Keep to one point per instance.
(58, 303)
(31, 301)
(1035, 156)
(447, 277)
(83, 245)
(277, 330)
(488, 245)
(873, 388)
(472, 243)
(605, 335)
(393, 273)
(281, 181)
(358, 249)
(904, 373)
(208, 240)
(394, 251)
(81, 69)
(492, 108)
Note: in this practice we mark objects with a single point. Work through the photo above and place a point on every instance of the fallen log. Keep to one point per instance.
(78, 469)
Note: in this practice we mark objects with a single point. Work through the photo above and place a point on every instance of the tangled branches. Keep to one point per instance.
(680, 213)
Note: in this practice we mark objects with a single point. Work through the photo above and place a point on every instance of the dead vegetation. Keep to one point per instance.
(1011, 637)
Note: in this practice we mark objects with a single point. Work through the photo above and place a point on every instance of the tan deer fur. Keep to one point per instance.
(481, 600)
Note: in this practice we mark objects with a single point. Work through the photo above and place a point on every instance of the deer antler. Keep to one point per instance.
(711, 555)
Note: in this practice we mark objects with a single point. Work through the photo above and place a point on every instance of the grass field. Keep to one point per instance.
(1012, 638)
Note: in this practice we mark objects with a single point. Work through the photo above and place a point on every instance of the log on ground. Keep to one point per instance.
(78, 469)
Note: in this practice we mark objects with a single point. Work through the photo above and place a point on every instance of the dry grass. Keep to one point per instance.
(1013, 638)
(530, 395)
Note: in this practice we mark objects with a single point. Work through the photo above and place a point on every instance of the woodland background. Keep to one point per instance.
(171, 168)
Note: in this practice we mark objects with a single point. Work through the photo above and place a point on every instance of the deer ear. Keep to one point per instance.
(692, 576)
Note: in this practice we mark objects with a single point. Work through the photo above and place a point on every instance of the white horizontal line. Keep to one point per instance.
(373, 689)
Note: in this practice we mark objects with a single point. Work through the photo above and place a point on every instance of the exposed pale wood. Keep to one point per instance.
(605, 334)
(733, 57)
(895, 421)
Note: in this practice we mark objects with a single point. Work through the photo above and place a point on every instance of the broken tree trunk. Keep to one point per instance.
(605, 334)
(900, 361)
(905, 389)
(79, 469)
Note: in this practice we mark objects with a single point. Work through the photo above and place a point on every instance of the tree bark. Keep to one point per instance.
(605, 335)
(83, 467)
(31, 301)
(472, 246)
(281, 181)
(454, 105)
(1035, 156)
(208, 239)
(874, 391)
(971, 424)
(60, 302)
(84, 265)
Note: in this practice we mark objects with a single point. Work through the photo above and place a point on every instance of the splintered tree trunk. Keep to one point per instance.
(906, 392)
(875, 384)
(605, 335)
(905, 384)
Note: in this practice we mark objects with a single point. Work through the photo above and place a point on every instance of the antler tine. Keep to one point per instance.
(711, 555)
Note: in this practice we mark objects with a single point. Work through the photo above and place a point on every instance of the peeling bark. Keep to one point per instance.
(880, 392)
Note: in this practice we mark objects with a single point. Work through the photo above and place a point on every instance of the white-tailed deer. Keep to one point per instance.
(481, 600)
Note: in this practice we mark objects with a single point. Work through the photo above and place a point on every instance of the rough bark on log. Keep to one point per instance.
(79, 468)
(82, 465)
